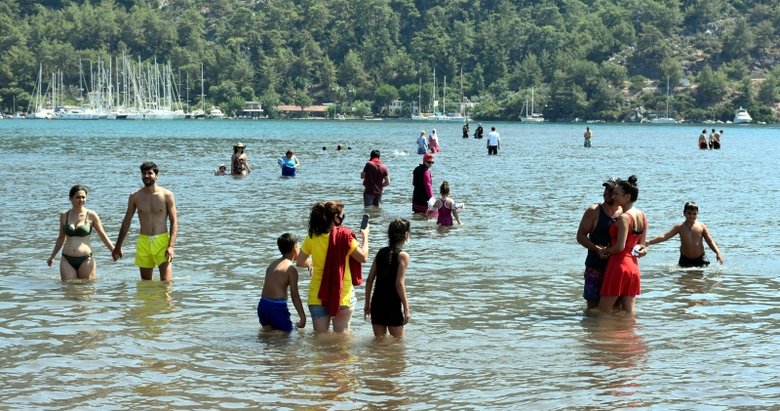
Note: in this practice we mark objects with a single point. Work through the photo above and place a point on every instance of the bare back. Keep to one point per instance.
(278, 277)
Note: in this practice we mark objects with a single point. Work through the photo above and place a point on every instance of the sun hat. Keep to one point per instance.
(239, 145)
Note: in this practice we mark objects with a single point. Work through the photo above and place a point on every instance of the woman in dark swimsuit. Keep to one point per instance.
(76, 227)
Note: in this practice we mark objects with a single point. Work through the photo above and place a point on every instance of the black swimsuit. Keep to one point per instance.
(386, 306)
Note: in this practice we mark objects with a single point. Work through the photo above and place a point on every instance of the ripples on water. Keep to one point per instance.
(497, 319)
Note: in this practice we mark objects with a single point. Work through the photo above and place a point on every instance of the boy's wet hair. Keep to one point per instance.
(286, 242)
(690, 205)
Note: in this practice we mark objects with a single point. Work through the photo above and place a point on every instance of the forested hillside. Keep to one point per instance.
(590, 59)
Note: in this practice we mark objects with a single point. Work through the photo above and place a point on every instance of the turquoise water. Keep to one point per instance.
(497, 314)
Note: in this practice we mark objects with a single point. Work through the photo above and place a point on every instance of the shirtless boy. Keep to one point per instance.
(156, 206)
(281, 274)
(691, 233)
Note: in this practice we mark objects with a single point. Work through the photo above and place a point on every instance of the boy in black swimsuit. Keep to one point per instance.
(691, 233)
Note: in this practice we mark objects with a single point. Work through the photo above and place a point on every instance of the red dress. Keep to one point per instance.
(621, 277)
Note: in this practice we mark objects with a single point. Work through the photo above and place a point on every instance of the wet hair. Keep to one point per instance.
(396, 231)
(75, 189)
(289, 152)
(322, 215)
(286, 242)
(444, 189)
(690, 205)
(149, 165)
(630, 187)
(396, 235)
(374, 154)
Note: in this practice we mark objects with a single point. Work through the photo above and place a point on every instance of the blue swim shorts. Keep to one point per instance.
(273, 312)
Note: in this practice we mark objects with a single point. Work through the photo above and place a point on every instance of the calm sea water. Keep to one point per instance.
(497, 313)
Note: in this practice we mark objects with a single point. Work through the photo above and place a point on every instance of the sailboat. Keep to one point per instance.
(201, 112)
(444, 115)
(437, 115)
(36, 109)
(420, 114)
(665, 119)
(528, 112)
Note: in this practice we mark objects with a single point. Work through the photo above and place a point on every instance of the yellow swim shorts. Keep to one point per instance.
(150, 250)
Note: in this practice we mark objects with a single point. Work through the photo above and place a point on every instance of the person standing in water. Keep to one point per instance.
(75, 229)
(588, 135)
(433, 142)
(156, 207)
(593, 234)
(375, 178)
(703, 139)
(422, 145)
(386, 302)
(693, 233)
(239, 163)
(627, 239)
(446, 206)
(493, 141)
(423, 185)
(478, 133)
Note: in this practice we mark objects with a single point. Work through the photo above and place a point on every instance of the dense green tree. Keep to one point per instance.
(383, 96)
(712, 86)
(578, 54)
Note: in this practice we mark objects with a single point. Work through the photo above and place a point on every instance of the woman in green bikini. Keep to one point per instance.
(76, 227)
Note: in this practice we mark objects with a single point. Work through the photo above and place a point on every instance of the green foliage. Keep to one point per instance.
(712, 86)
(579, 55)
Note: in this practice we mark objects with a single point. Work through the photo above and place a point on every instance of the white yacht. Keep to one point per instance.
(216, 113)
(742, 116)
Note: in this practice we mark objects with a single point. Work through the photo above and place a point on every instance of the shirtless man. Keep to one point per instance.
(691, 233)
(703, 140)
(588, 135)
(593, 234)
(156, 206)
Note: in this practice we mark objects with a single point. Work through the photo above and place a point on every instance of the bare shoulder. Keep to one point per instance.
(592, 211)
(291, 271)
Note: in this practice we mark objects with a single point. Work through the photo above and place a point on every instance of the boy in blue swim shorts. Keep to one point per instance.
(279, 276)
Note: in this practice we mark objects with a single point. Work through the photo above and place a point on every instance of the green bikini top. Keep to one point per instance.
(82, 230)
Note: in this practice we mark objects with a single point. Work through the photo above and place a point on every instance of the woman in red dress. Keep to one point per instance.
(621, 277)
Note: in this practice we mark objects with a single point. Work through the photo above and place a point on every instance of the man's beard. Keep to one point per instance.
(148, 182)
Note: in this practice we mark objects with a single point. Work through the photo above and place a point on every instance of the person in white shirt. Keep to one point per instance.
(493, 141)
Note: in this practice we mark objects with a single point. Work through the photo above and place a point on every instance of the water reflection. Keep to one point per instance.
(79, 289)
(613, 344)
(384, 364)
(335, 371)
(152, 300)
